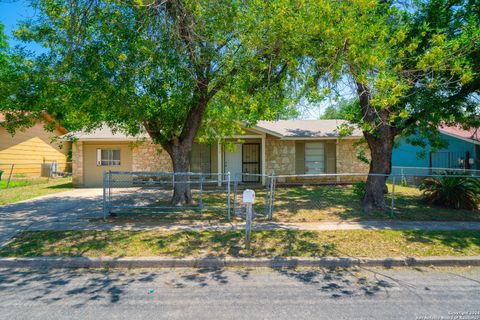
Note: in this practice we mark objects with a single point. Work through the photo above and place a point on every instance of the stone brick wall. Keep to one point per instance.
(147, 156)
(77, 164)
(280, 156)
(348, 162)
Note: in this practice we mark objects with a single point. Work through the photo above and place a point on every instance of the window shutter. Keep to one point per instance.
(330, 158)
(99, 157)
(299, 157)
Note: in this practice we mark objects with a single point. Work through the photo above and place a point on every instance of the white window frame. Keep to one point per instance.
(320, 162)
(109, 161)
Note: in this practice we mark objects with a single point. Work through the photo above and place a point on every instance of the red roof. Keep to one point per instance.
(457, 131)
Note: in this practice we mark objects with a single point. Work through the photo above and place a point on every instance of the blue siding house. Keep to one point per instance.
(463, 151)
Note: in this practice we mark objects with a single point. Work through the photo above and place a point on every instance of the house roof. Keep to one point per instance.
(104, 133)
(284, 129)
(47, 118)
(299, 129)
(470, 135)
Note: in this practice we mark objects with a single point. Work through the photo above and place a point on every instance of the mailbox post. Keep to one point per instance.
(248, 200)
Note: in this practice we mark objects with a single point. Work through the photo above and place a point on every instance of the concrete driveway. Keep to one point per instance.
(69, 206)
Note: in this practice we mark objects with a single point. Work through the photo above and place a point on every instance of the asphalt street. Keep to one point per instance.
(354, 293)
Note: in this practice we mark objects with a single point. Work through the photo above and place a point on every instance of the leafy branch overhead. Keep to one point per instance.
(155, 64)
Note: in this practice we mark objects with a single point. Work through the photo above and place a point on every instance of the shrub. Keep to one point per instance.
(359, 188)
(452, 190)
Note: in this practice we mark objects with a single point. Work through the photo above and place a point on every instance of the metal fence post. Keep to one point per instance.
(266, 210)
(235, 189)
(10, 176)
(393, 196)
(248, 224)
(104, 195)
(228, 195)
(109, 190)
(272, 195)
(201, 192)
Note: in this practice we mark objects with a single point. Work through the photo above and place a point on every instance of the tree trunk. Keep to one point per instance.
(179, 148)
(381, 147)
(180, 155)
(380, 142)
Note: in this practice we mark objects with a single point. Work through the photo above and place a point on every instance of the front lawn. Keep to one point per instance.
(276, 243)
(19, 190)
(333, 203)
(311, 203)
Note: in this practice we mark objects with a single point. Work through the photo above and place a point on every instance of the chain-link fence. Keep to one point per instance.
(286, 198)
(327, 197)
(14, 174)
(152, 192)
(263, 187)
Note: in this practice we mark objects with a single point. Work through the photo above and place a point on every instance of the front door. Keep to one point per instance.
(233, 162)
(251, 161)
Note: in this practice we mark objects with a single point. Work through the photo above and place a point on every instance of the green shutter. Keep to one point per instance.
(330, 157)
(200, 158)
(299, 157)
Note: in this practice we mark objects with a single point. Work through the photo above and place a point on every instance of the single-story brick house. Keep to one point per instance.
(284, 147)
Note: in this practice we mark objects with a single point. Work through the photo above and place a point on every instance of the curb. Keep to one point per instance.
(147, 262)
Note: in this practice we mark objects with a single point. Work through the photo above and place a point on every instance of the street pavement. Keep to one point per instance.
(355, 293)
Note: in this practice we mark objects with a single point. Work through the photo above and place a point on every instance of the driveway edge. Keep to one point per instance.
(148, 262)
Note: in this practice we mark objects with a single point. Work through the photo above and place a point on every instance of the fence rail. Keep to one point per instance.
(152, 191)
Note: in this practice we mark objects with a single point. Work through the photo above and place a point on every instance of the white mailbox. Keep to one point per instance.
(248, 196)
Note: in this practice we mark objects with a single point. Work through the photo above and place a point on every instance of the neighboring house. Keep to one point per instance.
(462, 152)
(285, 147)
(27, 149)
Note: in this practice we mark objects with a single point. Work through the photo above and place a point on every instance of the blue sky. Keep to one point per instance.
(11, 13)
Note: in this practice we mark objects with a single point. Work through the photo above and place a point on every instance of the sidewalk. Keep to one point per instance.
(320, 226)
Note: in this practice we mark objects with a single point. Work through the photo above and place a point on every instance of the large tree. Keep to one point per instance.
(411, 68)
(168, 67)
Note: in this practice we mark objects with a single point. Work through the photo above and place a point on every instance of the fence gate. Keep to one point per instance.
(151, 192)
(264, 194)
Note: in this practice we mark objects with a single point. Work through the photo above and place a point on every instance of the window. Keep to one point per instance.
(200, 158)
(314, 157)
(108, 157)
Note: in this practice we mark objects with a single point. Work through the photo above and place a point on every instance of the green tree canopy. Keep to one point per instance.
(179, 69)
(412, 65)
(341, 110)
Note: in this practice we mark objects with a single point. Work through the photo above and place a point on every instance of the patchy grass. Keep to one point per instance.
(20, 183)
(312, 203)
(274, 243)
(333, 203)
(27, 189)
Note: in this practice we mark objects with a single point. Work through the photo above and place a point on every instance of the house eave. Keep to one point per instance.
(322, 138)
(460, 138)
